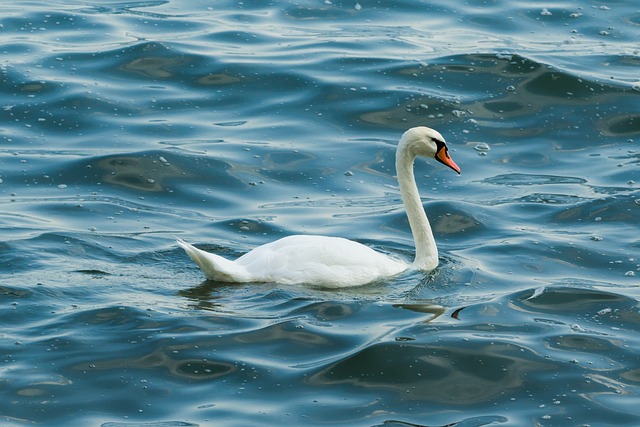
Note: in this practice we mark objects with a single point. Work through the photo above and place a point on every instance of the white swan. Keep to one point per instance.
(334, 261)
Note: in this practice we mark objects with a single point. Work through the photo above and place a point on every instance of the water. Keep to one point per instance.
(231, 124)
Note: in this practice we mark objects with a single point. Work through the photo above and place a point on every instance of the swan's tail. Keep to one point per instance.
(214, 266)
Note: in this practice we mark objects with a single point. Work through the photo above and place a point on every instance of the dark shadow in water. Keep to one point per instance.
(469, 422)
(150, 424)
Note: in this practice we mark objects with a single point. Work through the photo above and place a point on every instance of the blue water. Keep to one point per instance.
(232, 123)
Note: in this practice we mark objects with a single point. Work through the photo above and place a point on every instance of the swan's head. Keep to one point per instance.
(427, 142)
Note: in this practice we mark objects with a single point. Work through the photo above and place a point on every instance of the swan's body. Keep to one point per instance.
(334, 261)
(317, 260)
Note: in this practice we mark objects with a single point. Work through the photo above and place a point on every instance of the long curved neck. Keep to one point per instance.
(426, 250)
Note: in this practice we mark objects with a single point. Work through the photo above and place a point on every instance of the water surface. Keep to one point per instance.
(230, 124)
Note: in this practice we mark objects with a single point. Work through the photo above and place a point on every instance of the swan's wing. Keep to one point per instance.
(214, 266)
(319, 260)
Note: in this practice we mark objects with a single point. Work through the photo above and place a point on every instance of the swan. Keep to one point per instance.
(334, 262)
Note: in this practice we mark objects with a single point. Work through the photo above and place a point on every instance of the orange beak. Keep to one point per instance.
(443, 157)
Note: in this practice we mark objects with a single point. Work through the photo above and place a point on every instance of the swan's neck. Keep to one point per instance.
(426, 250)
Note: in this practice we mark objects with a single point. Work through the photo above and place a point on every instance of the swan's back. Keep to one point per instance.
(318, 260)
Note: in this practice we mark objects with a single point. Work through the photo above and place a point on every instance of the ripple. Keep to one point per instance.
(525, 179)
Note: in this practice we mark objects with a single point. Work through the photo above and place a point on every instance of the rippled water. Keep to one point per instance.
(231, 124)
